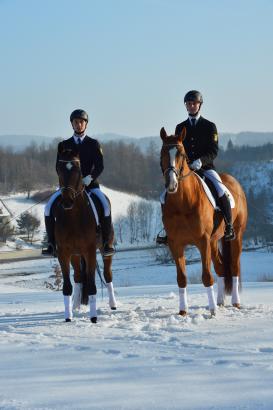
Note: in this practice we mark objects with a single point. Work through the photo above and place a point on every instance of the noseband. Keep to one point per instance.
(178, 173)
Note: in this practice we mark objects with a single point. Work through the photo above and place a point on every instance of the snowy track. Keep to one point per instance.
(142, 356)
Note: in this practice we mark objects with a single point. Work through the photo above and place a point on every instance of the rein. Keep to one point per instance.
(171, 168)
(70, 188)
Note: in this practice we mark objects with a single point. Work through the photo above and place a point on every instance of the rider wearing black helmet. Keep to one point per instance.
(201, 146)
(91, 159)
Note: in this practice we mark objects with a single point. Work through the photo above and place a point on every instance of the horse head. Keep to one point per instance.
(173, 159)
(70, 176)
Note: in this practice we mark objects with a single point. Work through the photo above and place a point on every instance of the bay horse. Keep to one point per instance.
(190, 219)
(76, 237)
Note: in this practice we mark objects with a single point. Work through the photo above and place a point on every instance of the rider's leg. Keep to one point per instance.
(107, 229)
(224, 203)
(50, 227)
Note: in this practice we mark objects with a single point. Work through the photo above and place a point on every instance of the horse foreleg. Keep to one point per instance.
(77, 288)
(67, 286)
(107, 272)
(207, 277)
(219, 269)
(91, 283)
(178, 255)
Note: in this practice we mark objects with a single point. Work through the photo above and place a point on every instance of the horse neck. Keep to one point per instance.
(187, 192)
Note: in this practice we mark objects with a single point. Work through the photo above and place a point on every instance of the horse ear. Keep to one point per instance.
(163, 133)
(182, 134)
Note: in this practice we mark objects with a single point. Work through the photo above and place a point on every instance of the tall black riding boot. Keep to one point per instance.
(107, 233)
(226, 210)
(50, 231)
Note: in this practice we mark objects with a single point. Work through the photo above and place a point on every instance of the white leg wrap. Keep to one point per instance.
(93, 307)
(211, 297)
(68, 307)
(220, 290)
(111, 294)
(235, 297)
(77, 295)
(183, 302)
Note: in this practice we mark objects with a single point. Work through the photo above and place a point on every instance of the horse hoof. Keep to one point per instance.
(68, 320)
(93, 319)
(113, 308)
(236, 305)
(213, 312)
(221, 304)
(183, 313)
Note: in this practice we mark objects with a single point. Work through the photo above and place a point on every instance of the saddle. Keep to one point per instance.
(211, 192)
(95, 204)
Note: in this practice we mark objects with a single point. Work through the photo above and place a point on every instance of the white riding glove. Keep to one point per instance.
(87, 180)
(195, 165)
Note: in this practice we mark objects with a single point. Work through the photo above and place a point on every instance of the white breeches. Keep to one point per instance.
(96, 191)
(214, 177)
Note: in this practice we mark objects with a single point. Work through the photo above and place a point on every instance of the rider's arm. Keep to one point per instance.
(211, 150)
(98, 162)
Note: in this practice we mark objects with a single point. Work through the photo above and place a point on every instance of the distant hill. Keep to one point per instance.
(19, 142)
(250, 138)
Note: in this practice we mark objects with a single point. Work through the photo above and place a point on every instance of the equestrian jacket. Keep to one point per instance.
(201, 141)
(91, 158)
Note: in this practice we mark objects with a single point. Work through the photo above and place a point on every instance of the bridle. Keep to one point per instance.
(179, 172)
(68, 187)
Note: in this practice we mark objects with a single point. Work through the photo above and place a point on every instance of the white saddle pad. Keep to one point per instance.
(209, 195)
(211, 198)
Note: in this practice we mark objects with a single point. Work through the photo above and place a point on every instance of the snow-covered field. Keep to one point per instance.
(18, 203)
(142, 356)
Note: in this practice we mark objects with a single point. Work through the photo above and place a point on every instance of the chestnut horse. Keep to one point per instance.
(76, 237)
(190, 219)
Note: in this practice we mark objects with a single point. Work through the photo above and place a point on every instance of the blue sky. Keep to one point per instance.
(130, 62)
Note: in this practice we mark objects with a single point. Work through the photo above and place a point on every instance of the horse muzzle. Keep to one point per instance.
(171, 183)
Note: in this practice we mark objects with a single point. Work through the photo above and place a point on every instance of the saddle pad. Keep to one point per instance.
(210, 196)
(208, 192)
(93, 208)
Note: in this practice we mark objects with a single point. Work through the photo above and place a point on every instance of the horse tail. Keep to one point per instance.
(85, 297)
(227, 260)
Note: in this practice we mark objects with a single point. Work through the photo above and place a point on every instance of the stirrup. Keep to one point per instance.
(50, 251)
(108, 250)
(162, 240)
(229, 233)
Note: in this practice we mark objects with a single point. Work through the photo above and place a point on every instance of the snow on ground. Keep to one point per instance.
(18, 204)
(142, 356)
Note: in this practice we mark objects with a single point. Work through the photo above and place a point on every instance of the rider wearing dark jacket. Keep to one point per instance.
(201, 141)
(201, 146)
(91, 159)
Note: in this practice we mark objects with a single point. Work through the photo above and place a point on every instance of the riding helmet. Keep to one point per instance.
(81, 114)
(193, 95)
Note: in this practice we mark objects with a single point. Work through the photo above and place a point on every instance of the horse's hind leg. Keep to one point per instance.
(67, 286)
(107, 272)
(90, 259)
(236, 250)
(219, 269)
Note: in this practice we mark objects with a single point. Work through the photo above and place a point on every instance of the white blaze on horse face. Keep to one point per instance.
(173, 178)
(69, 165)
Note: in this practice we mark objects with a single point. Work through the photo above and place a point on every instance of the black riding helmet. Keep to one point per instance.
(193, 95)
(81, 114)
